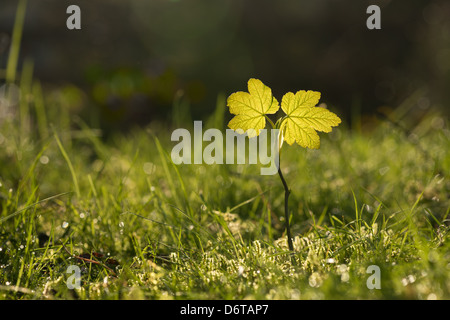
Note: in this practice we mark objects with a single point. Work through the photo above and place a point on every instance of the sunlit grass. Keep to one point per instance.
(378, 196)
(216, 232)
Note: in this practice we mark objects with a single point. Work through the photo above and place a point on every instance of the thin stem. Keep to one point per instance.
(287, 192)
(270, 121)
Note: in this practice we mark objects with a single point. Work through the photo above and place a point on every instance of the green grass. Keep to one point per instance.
(373, 197)
(217, 231)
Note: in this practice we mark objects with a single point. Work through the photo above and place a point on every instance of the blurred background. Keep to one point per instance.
(133, 60)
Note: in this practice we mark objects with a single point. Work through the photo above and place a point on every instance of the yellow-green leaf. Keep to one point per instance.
(304, 119)
(251, 107)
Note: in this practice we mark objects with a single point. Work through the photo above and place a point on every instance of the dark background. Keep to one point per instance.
(132, 58)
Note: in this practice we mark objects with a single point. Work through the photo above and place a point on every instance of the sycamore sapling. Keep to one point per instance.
(299, 124)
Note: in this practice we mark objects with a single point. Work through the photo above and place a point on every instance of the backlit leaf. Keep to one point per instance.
(251, 107)
(304, 119)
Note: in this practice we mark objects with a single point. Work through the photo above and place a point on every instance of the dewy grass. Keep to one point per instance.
(369, 198)
(353, 214)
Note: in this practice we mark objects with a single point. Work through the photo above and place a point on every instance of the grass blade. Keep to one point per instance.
(69, 164)
(14, 51)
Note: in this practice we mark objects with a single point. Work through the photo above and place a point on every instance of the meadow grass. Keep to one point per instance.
(378, 196)
(217, 231)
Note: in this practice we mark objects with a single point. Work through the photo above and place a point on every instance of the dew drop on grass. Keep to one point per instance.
(82, 215)
(65, 225)
(44, 160)
(121, 224)
(295, 294)
(315, 280)
(404, 282)
(342, 268)
(432, 296)
(345, 277)
(369, 208)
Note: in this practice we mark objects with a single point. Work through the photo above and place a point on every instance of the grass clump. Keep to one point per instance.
(140, 227)
(382, 200)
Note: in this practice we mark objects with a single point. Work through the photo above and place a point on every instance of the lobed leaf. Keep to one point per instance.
(303, 119)
(251, 107)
